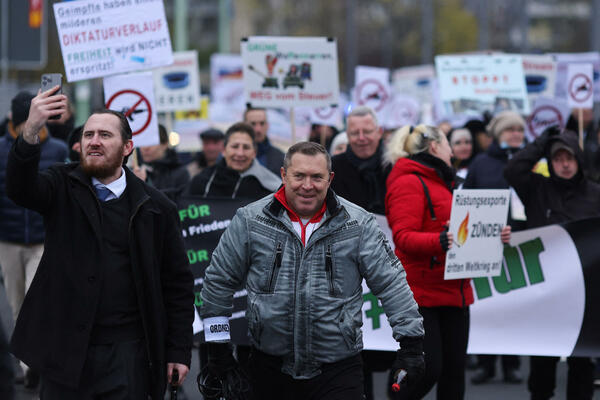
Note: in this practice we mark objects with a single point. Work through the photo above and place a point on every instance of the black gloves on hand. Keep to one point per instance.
(444, 239)
(410, 358)
(220, 359)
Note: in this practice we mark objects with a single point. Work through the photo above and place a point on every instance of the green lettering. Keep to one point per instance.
(375, 311)
(482, 288)
(197, 299)
(203, 256)
(515, 269)
(531, 255)
(182, 214)
(204, 210)
(193, 211)
(192, 259)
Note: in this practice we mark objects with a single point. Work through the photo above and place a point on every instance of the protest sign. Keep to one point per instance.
(540, 76)
(133, 95)
(401, 110)
(331, 116)
(580, 85)
(177, 86)
(290, 71)
(476, 220)
(226, 80)
(415, 81)
(476, 83)
(101, 38)
(562, 63)
(544, 302)
(203, 221)
(372, 89)
(189, 124)
(544, 114)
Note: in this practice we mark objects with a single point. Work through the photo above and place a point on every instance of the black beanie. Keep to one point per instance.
(20, 107)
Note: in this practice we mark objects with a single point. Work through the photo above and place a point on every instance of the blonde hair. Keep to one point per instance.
(410, 140)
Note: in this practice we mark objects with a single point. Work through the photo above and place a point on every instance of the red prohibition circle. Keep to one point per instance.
(325, 115)
(380, 88)
(539, 110)
(142, 99)
(574, 95)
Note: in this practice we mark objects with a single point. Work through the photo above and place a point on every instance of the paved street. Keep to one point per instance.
(493, 391)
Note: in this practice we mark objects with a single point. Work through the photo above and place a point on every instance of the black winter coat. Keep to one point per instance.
(552, 200)
(226, 182)
(167, 173)
(52, 332)
(18, 224)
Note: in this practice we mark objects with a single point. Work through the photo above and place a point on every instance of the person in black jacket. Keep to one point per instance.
(110, 309)
(359, 172)
(160, 166)
(266, 154)
(567, 195)
(237, 174)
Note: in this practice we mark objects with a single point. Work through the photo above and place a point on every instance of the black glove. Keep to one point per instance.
(444, 239)
(410, 358)
(220, 359)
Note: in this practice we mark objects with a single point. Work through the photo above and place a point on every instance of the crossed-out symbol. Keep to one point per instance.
(134, 109)
(580, 88)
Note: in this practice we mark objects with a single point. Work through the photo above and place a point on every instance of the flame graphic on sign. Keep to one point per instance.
(463, 231)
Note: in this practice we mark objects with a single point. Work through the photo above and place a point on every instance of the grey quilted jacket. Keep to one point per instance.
(304, 303)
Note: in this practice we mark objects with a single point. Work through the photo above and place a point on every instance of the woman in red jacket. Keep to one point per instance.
(418, 203)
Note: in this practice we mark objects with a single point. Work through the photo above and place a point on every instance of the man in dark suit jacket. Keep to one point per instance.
(109, 313)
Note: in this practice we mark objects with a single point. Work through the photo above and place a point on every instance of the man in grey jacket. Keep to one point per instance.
(303, 253)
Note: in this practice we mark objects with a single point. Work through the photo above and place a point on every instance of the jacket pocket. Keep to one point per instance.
(276, 267)
(254, 324)
(329, 270)
(346, 326)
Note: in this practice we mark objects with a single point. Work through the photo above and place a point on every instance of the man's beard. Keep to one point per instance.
(103, 170)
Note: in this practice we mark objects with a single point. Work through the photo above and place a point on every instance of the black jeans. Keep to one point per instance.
(542, 378)
(341, 380)
(445, 346)
(117, 371)
(488, 362)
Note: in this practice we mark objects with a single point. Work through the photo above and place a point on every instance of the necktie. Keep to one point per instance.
(102, 192)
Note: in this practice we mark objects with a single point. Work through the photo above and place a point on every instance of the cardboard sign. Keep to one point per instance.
(562, 63)
(540, 76)
(476, 83)
(544, 114)
(580, 85)
(177, 87)
(476, 221)
(290, 71)
(133, 95)
(373, 89)
(101, 38)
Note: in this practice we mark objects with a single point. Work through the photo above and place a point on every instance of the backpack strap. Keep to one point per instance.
(429, 203)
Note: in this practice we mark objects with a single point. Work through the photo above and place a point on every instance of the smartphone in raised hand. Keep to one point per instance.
(48, 82)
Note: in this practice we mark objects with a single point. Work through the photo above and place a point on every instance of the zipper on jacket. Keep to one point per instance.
(276, 265)
(329, 269)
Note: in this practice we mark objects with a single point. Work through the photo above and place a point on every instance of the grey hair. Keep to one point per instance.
(361, 111)
(306, 148)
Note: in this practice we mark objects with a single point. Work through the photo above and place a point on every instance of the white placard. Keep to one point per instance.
(476, 221)
(580, 85)
(546, 113)
(133, 95)
(540, 76)
(177, 87)
(476, 83)
(562, 62)
(373, 89)
(289, 72)
(401, 110)
(226, 81)
(101, 38)
(331, 116)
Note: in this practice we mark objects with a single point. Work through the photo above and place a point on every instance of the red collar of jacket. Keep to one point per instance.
(280, 196)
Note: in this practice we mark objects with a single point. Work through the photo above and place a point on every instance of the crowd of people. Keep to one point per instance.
(301, 250)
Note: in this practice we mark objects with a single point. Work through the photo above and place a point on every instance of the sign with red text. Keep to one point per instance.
(580, 85)
(101, 38)
(290, 71)
(473, 84)
(133, 95)
(476, 221)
